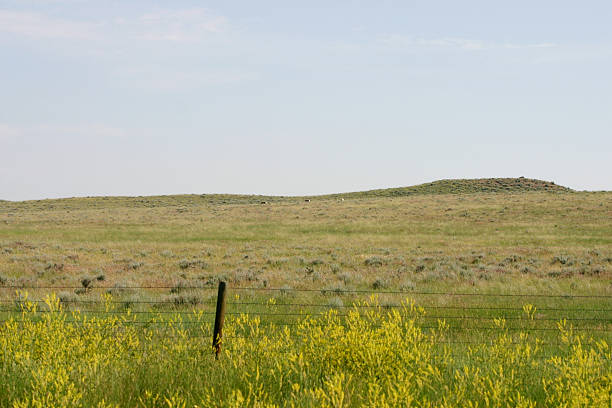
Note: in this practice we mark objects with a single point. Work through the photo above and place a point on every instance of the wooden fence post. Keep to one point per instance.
(219, 315)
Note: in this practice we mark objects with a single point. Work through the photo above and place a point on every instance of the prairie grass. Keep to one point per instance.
(510, 240)
(440, 247)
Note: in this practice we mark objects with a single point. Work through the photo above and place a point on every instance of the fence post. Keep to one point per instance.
(219, 315)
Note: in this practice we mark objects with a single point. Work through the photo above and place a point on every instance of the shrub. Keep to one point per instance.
(192, 263)
(407, 285)
(374, 261)
(345, 277)
(563, 260)
(67, 297)
(380, 283)
(167, 254)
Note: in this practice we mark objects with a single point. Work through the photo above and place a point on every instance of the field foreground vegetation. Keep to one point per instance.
(380, 358)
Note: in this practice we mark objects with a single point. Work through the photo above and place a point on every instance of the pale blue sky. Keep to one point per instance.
(267, 97)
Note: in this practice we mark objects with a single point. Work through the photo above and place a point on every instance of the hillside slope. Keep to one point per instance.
(465, 186)
(458, 186)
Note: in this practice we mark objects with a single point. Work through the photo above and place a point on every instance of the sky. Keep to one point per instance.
(296, 98)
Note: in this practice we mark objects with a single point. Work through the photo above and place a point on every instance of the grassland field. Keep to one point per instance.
(429, 265)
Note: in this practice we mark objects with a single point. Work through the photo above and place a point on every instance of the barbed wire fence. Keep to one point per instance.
(468, 318)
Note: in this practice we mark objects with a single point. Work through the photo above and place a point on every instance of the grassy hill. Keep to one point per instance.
(465, 186)
(457, 186)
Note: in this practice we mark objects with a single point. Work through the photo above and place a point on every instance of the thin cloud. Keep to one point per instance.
(400, 41)
(96, 131)
(169, 81)
(522, 46)
(182, 25)
(41, 26)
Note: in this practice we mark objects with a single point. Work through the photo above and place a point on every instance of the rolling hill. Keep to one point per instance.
(455, 186)
(465, 186)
